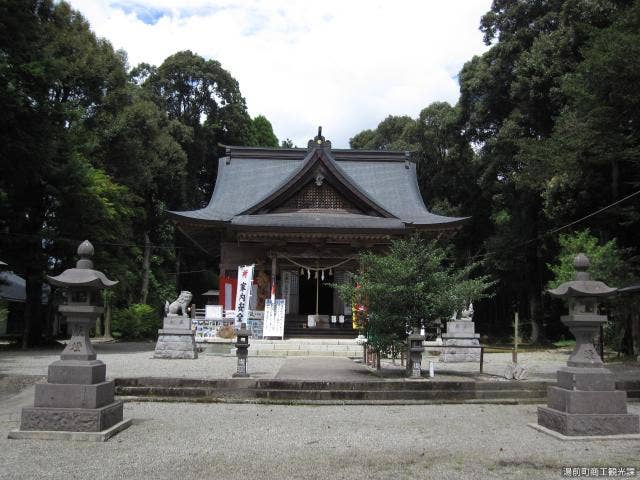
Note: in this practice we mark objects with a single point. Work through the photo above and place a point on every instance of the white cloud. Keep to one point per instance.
(344, 65)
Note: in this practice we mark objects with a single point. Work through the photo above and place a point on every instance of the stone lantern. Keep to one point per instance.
(242, 351)
(585, 401)
(76, 396)
(414, 365)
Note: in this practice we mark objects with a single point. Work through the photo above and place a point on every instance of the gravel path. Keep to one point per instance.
(136, 360)
(221, 441)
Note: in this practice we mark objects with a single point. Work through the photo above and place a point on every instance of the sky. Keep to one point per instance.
(345, 65)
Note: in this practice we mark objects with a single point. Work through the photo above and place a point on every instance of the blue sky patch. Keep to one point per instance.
(148, 15)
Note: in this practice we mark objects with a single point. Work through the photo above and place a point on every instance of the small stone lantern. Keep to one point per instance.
(585, 401)
(414, 365)
(76, 396)
(242, 351)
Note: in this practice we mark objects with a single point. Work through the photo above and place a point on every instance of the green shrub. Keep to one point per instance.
(137, 321)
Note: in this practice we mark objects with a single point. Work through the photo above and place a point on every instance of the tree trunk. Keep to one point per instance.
(32, 333)
(178, 266)
(107, 316)
(99, 326)
(146, 267)
(535, 310)
(615, 179)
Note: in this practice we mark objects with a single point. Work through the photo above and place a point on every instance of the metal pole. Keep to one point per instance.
(317, 293)
(515, 340)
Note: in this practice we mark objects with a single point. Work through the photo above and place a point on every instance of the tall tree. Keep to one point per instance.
(55, 75)
(261, 133)
(205, 97)
(393, 133)
(511, 99)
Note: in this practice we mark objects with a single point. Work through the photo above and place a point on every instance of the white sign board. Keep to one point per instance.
(243, 293)
(274, 318)
(212, 312)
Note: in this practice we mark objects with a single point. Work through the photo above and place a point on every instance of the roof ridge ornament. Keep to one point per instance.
(319, 142)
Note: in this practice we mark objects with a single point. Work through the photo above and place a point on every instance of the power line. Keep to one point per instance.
(558, 229)
(76, 241)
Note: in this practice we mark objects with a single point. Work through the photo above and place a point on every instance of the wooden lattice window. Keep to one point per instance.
(314, 196)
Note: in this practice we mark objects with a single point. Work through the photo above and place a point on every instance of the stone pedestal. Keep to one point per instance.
(585, 402)
(460, 333)
(77, 397)
(176, 339)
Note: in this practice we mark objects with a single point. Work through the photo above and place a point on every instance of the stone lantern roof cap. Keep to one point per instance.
(83, 275)
(582, 286)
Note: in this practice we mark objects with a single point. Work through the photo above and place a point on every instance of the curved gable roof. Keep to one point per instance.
(250, 180)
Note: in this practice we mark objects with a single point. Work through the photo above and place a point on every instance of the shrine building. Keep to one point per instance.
(302, 216)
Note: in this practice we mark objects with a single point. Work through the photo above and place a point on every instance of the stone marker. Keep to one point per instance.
(176, 339)
(461, 333)
(242, 351)
(414, 360)
(76, 397)
(585, 402)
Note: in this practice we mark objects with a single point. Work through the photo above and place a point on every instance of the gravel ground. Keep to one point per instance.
(133, 359)
(221, 441)
(182, 440)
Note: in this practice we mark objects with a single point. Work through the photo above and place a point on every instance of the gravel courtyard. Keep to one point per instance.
(223, 441)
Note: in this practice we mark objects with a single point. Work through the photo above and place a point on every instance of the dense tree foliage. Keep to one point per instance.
(89, 150)
(545, 133)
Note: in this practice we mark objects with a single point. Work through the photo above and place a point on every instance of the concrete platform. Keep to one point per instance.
(102, 436)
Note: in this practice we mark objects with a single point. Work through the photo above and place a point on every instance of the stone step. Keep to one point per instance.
(305, 353)
(425, 391)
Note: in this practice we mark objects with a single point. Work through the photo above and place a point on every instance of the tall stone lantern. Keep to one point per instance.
(585, 401)
(76, 399)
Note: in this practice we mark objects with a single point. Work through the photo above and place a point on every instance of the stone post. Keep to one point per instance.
(242, 351)
(76, 397)
(585, 401)
(414, 363)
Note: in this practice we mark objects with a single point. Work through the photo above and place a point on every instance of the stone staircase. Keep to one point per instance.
(305, 347)
(330, 392)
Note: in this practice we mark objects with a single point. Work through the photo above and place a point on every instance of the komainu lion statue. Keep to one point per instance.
(179, 306)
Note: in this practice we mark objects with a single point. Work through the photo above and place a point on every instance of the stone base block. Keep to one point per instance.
(62, 395)
(86, 372)
(175, 331)
(587, 379)
(593, 402)
(102, 436)
(179, 322)
(452, 354)
(176, 346)
(71, 419)
(588, 424)
(461, 327)
(584, 438)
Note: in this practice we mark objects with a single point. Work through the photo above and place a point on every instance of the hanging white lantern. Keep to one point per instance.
(308, 274)
(322, 275)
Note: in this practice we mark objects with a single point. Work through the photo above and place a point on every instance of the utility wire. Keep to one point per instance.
(76, 241)
(558, 229)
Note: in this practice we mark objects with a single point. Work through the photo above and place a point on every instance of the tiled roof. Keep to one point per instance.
(248, 176)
